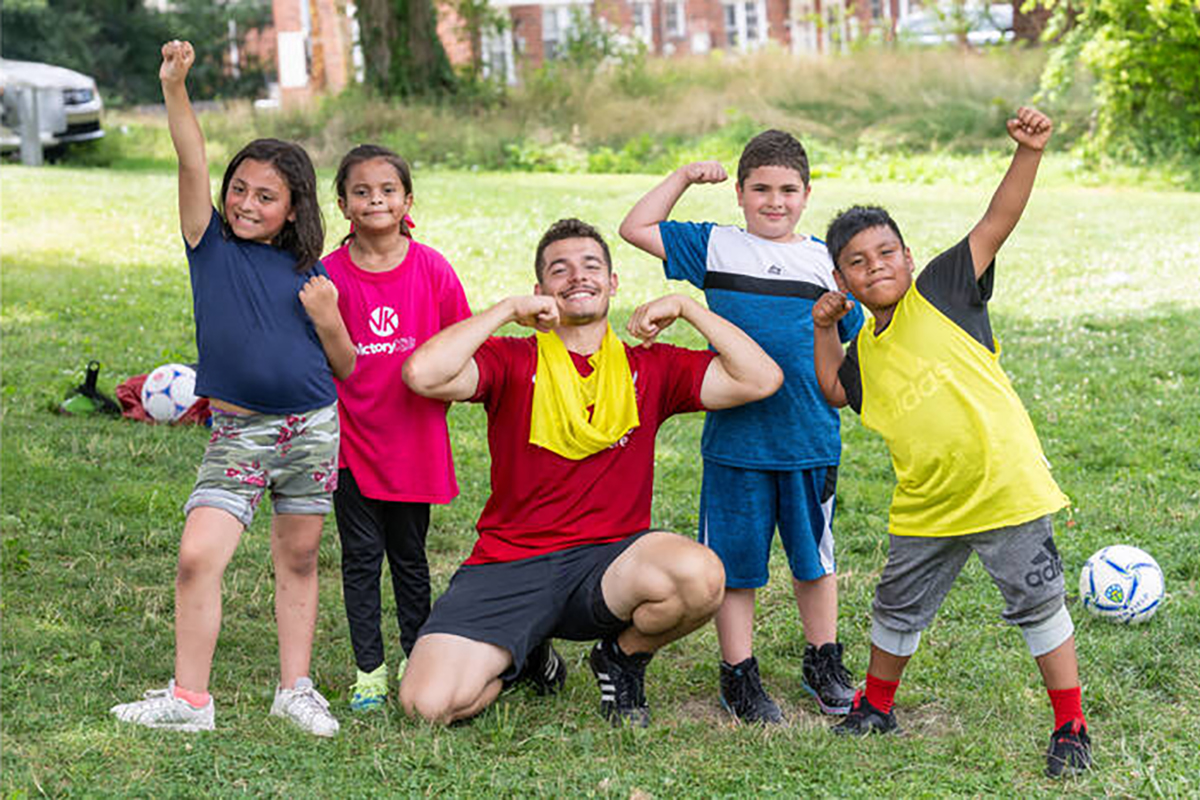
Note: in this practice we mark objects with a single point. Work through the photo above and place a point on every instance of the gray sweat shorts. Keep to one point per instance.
(1022, 560)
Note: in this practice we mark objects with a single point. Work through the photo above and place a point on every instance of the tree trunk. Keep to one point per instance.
(403, 53)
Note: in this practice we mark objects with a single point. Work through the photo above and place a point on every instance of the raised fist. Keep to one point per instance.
(178, 58)
(1031, 128)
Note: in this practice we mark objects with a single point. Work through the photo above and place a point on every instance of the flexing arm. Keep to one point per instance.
(828, 353)
(640, 227)
(444, 367)
(741, 372)
(1030, 130)
(195, 192)
(320, 299)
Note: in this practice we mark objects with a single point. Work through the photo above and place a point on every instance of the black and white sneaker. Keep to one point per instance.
(865, 718)
(622, 680)
(545, 669)
(743, 695)
(1070, 750)
(827, 679)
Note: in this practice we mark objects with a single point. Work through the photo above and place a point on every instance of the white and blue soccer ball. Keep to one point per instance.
(169, 392)
(1122, 583)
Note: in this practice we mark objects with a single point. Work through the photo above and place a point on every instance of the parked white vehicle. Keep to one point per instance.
(69, 106)
(934, 25)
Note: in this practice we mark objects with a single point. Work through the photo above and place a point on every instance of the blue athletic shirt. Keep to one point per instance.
(257, 346)
(767, 289)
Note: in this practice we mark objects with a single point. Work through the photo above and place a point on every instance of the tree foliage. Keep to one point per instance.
(1145, 58)
(402, 52)
(117, 42)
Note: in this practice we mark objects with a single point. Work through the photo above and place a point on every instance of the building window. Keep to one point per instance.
(557, 22)
(745, 24)
(643, 23)
(676, 11)
(498, 63)
(876, 9)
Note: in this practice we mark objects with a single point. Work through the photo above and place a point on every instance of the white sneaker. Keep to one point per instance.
(160, 708)
(305, 706)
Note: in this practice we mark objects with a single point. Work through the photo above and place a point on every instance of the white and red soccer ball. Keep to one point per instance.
(169, 391)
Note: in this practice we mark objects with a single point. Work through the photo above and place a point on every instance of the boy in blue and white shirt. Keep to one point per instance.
(772, 463)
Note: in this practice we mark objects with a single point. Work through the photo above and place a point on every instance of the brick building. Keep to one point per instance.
(313, 46)
(317, 39)
(536, 31)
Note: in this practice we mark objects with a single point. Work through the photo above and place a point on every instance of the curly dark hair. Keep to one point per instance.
(567, 229)
(773, 148)
(303, 237)
(853, 221)
(366, 152)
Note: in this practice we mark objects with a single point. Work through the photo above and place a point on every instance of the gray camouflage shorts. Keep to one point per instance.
(293, 455)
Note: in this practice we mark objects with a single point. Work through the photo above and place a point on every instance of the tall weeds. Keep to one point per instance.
(646, 115)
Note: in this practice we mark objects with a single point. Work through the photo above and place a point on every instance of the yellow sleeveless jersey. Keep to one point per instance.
(964, 450)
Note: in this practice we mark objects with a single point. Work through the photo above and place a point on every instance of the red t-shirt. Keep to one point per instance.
(542, 502)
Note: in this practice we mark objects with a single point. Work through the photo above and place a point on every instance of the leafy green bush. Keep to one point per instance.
(116, 42)
(1145, 58)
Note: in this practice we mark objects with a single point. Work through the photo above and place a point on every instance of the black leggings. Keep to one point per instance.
(369, 529)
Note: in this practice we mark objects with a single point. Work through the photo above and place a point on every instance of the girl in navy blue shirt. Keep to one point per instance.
(270, 340)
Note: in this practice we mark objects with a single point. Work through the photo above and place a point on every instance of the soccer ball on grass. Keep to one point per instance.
(1121, 583)
(169, 392)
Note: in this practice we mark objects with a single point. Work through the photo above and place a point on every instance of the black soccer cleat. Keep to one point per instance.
(1070, 751)
(743, 695)
(865, 718)
(545, 669)
(827, 679)
(622, 680)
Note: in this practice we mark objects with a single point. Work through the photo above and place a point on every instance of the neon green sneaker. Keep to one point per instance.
(370, 690)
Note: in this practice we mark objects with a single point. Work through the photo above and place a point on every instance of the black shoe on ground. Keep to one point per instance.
(1070, 750)
(743, 695)
(622, 680)
(545, 669)
(865, 718)
(827, 679)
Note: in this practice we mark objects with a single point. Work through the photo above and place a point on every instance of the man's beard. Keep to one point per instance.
(584, 319)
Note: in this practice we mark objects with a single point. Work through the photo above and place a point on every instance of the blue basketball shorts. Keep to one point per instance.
(741, 508)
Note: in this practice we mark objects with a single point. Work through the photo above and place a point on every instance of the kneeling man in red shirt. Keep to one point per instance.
(565, 547)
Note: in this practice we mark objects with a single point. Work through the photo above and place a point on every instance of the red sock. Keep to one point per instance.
(881, 693)
(194, 699)
(1067, 704)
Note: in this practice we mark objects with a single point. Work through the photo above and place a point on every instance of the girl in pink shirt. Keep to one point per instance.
(394, 293)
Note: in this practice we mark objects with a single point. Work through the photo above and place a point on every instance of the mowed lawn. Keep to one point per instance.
(1096, 297)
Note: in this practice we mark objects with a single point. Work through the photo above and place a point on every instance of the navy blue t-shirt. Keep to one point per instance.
(257, 346)
(767, 289)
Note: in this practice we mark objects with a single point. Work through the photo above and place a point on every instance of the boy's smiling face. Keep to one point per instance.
(875, 267)
(773, 198)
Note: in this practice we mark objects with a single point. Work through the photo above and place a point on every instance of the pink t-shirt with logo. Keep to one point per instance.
(394, 441)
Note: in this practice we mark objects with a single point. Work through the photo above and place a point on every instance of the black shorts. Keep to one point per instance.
(517, 605)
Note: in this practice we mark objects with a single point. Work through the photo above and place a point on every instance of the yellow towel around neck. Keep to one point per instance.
(561, 397)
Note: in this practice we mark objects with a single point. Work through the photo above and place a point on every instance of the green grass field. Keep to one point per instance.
(1095, 304)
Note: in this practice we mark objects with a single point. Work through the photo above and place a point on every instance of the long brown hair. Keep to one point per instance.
(304, 236)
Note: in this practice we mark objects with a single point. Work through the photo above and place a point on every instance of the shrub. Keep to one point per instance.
(1145, 58)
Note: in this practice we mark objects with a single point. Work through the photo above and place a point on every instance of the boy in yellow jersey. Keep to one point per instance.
(971, 477)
